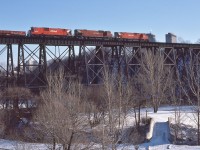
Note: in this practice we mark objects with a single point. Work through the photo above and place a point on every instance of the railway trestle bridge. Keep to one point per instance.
(87, 58)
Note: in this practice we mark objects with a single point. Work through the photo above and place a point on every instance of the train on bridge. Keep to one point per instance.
(50, 48)
(78, 33)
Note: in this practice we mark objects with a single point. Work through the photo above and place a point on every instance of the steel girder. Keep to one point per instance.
(7, 77)
(94, 64)
(91, 63)
(32, 65)
(50, 59)
(99, 59)
(123, 61)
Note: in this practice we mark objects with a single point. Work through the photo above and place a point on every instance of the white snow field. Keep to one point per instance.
(159, 140)
(16, 145)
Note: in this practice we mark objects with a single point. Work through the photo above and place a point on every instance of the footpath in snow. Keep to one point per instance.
(160, 136)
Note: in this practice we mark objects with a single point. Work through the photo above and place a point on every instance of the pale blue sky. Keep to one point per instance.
(181, 17)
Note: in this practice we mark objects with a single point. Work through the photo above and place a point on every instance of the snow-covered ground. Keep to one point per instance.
(159, 140)
(160, 137)
(15, 145)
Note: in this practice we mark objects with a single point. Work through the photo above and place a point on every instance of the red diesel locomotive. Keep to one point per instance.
(132, 36)
(37, 31)
(92, 33)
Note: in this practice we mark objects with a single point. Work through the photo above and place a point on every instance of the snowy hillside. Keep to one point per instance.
(159, 140)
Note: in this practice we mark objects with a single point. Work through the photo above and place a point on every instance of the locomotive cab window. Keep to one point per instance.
(46, 29)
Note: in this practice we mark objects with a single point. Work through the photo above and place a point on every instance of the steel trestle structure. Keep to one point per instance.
(37, 56)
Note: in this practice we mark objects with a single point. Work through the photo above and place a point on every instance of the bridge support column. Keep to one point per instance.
(97, 67)
(42, 59)
(114, 66)
(42, 64)
(123, 67)
(71, 60)
(94, 64)
(133, 56)
(10, 70)
(21, 65)
(86, 65)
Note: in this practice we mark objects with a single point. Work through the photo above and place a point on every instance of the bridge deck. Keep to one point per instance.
(89, 42)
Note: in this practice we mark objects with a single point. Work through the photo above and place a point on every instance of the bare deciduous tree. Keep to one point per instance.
(2, 123)
(191, 88)
(154, 77)
(16, 101)
(181, 40)
(60, 112)
(198, 41)
(109, 97)
(135, 95)
(13, 96)
(95, 105)
(176, 102)
(117, 98)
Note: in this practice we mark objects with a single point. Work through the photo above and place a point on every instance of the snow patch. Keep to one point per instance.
(150, 133)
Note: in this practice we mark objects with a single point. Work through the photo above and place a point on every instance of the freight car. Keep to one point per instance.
(38, 31)
(92, 33)
(12, 33)
(131, 36)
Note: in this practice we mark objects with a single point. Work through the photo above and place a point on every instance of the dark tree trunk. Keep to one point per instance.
(139, 115)
(16, 104)
(155, 109)
(70, 141)
(198, 113)
(136, 120)
(54, 143)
